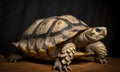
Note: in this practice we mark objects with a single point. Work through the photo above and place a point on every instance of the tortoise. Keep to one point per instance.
(62, 39)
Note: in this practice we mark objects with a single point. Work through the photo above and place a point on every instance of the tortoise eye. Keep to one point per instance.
(98, 30)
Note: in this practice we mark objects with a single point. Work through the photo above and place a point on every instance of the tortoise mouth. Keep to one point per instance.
(95, 38)
(90, 38)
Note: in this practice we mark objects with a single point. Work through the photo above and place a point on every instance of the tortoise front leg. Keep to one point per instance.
(99, 50)
(65, 57)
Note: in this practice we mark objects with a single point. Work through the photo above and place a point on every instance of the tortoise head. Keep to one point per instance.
(96, 33)
(92, 34)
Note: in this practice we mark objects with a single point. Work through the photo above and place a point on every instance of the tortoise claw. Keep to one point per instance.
(60, 65)
(69, 68)
(57, 65)
(65, 68)
(11, 59)
(100, 60)
(103, 61)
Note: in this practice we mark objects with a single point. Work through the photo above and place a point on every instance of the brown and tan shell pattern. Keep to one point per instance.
(41, 38)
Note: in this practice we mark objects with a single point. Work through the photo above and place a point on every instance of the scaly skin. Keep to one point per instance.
(100, 51)
(97, 49)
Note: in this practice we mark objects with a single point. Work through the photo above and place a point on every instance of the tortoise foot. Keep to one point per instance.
(64, 59)
(14, 58)
(101, 60)
(60, 66)
(57, 65)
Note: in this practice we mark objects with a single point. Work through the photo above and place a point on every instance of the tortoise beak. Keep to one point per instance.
(104, 29)
(105, 33)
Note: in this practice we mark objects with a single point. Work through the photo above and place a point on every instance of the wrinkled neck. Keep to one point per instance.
(81, 40)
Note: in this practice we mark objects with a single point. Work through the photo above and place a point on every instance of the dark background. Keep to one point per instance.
(17, 15)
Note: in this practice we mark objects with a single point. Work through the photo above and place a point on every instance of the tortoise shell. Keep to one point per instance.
(41, 38)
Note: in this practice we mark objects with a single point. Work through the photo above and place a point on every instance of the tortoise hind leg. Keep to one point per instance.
(99, 50)
(65, 57)
(14, 58)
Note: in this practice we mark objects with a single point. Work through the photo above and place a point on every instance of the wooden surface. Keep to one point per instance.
(82, 65)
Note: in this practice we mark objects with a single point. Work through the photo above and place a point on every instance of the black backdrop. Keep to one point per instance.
(17, 15)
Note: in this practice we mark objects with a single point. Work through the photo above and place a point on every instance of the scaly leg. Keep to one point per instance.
(99, 50)
(65, 57)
